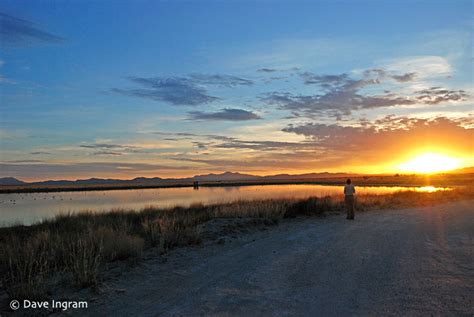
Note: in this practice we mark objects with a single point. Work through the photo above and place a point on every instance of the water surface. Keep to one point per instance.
(27, 208)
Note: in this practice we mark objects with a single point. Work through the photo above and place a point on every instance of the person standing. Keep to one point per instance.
(349, 192)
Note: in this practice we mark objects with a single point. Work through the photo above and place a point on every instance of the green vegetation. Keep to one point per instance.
(76, 246)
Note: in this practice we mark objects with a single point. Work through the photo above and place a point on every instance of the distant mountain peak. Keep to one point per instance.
(11, 181)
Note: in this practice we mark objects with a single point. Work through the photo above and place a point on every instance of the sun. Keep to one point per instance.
(430, 163)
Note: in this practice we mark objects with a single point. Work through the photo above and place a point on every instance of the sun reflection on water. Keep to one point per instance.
(431, 189)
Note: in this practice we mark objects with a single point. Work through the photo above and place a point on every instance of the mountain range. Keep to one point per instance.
(227, 176)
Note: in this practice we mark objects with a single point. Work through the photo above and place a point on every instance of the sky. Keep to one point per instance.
(122, 89)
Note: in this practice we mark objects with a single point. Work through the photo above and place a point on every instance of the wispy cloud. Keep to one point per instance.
(177, 91)
(381, 74)
(326, 81)
(262, 145)
(405, 77)
(107, 153)
(105, 146)
(334, 103)
(437, 95)
(3, 79)
(111, 149)
(288, 53)
(40, 153)
(424, 66)
(220, 80)
(267, 70)
(274, 70)
(15, 31)
(225, 114)
(181, 91)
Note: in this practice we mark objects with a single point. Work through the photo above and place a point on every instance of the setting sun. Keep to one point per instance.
(430, 163)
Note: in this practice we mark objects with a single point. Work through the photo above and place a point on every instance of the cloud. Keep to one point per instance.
(326, 81)
(3, 79)
(287, 53)
(425, 66)
(15, 31)
(436, 95)
(248, 164)
(274, 70)
(325, 146)
(24, 161)
(224, 114)
(181, 91)
(178, 91)
(109, 149)
(381, 74)
(258, 161)
(227, 142)
(105, 146)
(405, 77)
(330, 146)
(40, 153)
(107, 153)
(201, 145)
(340, 94)
(388, 135)
(267, 70)
(185, 135)
(261, 145)
(336, 102)
(220, 80)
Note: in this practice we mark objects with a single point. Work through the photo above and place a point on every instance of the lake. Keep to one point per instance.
(28, 208)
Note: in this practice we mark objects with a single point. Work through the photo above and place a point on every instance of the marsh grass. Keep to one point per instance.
(25, 265)
(83, 257)
(78, 245)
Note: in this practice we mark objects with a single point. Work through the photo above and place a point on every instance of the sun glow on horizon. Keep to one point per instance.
(430, 163)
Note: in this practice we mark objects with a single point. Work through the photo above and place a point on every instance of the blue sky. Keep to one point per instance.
(147, 88)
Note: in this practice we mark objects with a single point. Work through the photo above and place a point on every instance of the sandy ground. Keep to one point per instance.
(417, 261)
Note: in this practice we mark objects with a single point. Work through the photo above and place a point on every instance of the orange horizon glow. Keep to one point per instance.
(385, 170)
(422, 161)
(429, 163)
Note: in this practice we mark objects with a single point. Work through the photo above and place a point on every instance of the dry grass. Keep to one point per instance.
(78, 245)
(412, 198)
(83, 257)
(25, 265)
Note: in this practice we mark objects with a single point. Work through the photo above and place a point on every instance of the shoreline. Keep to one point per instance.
(372, 181)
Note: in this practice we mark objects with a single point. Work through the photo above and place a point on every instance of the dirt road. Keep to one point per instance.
(417, 261)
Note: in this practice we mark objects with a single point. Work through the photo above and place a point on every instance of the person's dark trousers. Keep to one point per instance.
(349, 200)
